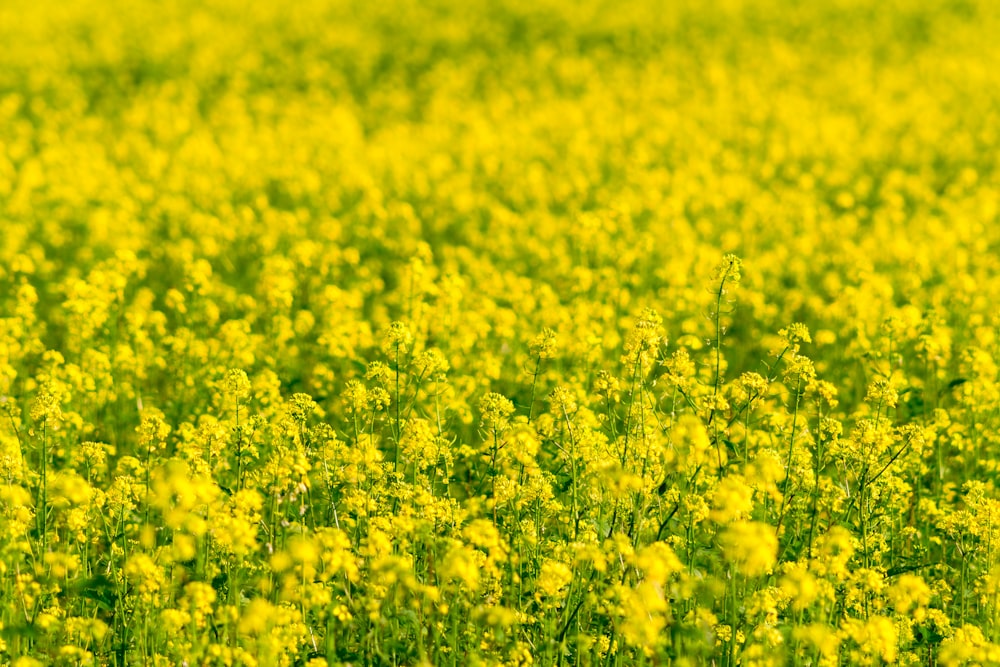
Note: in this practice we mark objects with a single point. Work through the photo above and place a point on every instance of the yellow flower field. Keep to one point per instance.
(500, 332)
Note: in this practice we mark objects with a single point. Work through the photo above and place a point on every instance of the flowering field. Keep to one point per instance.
(499, 332)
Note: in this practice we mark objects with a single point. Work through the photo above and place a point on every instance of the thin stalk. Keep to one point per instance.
(43, 491)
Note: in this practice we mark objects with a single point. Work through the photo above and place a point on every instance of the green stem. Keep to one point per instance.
(43, 491)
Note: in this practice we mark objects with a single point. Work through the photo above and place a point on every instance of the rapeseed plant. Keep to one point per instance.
(499, 333)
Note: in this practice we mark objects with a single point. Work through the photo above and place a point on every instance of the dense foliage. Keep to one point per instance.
(526, 331)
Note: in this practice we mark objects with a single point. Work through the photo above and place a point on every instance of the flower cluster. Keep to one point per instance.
(343, 332)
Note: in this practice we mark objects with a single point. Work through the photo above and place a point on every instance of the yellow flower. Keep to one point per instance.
(238, 384)
(496, 411)
(147, 578)
(876, 639)
(47, 407)
(463, 563)
(658, 563)
(800, 585)
(397, 339)
(544, 345)
(732, 500)
(750, 546)
(554, 577)
(910, 595)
